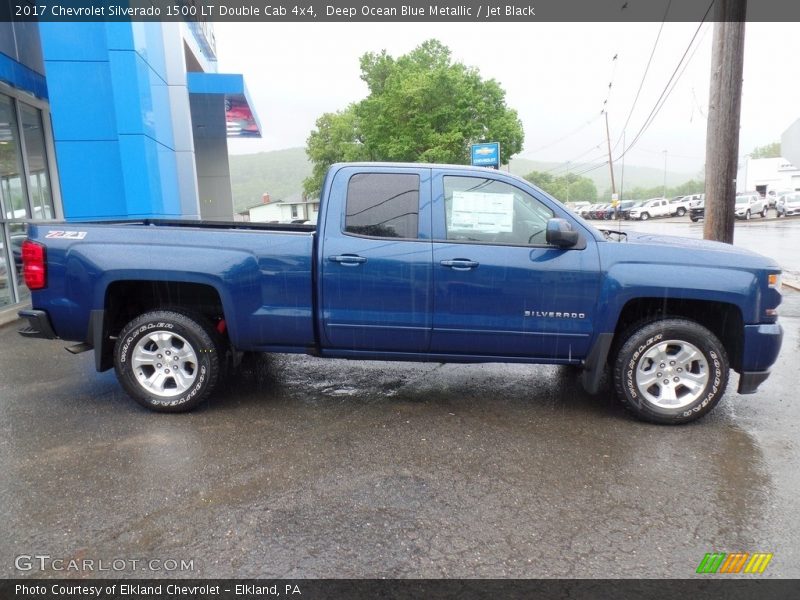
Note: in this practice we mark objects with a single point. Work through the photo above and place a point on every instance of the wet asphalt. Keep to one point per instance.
(302, 467)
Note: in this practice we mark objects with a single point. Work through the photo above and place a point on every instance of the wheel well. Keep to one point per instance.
(722, 319)
(126, 300)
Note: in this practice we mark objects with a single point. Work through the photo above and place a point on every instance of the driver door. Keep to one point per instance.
(499, 288)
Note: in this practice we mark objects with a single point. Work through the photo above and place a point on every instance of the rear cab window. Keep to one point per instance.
(383, 205)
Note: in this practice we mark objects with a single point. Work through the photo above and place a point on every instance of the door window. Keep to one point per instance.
(490, 211)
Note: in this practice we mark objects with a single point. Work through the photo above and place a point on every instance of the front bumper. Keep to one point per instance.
(762, 343)
(38, 325)
(750, 380)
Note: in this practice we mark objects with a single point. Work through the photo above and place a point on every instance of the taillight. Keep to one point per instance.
(34, 266)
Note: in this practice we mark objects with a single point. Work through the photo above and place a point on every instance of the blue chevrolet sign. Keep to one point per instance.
(486, 155)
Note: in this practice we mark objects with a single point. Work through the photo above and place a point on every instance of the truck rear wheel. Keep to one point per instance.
(167, 361)
(670, 371)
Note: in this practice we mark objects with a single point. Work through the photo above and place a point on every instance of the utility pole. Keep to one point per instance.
(724, 111)
(610, 162)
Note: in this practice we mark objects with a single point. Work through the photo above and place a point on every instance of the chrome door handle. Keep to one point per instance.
(350, 260)
(460, 264)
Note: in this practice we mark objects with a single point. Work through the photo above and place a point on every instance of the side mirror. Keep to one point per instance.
(560, 233)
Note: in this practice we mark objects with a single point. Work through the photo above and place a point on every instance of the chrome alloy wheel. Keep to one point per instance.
(164, 363)
(672, 374)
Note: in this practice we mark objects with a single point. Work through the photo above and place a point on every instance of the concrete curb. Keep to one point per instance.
(792, 284)
(9, 315)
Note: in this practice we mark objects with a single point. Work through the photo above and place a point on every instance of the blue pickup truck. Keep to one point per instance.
(409, 262)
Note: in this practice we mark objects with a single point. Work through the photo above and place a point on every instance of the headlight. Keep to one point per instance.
(775, 281)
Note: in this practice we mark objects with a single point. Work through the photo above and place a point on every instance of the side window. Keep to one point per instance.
(485, 210)
(383, 205)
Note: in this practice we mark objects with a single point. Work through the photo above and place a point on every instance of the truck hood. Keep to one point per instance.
(648, 247)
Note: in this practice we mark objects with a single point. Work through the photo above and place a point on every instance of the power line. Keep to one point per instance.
(611, 82)
(667, 90)
(644, 75)
(566, 164)
(677, 79)
(590, 169)
(672, 154)
(564, 137)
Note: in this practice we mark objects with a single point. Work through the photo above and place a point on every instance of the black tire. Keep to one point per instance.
(708, 371)
(764, 213)
(694, 219)
(188, 340)
(747, 215)
(644, 216)
(681, 211)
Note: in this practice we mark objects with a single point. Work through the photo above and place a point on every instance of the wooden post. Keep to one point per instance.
(725, 101)
(610, 162)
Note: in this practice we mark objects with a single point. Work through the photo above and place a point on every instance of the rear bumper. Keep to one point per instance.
(38, 325)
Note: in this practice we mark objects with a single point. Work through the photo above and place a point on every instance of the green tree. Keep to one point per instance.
(565, 187)
(421, 107)
(336, 138)
(772, 150)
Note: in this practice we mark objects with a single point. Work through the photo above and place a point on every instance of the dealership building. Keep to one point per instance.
(112, 121)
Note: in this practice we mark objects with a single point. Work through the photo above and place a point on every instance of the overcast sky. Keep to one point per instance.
(555, 75)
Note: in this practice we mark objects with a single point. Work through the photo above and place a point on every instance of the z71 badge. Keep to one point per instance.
(69, 235)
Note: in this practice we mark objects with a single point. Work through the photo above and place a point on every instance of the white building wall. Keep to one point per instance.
(790, 143)
(777, 174)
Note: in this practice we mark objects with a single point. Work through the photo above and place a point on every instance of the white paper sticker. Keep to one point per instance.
(479, 211)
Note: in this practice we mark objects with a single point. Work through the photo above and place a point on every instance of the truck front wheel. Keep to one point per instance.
(670, 371)
(167, 361)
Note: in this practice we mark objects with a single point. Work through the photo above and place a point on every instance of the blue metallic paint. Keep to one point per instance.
(385, 303)
(280, 292)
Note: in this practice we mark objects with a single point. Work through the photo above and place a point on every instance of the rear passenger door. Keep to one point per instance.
(376, 261)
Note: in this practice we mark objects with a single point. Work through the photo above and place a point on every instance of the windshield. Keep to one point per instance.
(742, 199)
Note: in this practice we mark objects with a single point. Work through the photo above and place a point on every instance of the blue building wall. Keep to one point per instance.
(21, 58)
(113, 109)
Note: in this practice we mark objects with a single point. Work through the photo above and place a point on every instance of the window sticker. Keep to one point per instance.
(482, 212)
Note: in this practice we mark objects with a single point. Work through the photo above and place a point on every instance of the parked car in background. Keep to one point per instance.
(625, 213)
(695, 199)
(774, 197)
(599, 211)
(679, 205)
(771, 197)
(788, 204)
(577, 207)
(750, 204)
(655, 207)
(615, 212)
(698, 210)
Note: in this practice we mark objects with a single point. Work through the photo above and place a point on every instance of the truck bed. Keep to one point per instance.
(194, 223)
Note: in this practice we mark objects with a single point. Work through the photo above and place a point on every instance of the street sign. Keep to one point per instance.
(486, 155)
